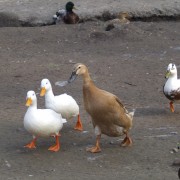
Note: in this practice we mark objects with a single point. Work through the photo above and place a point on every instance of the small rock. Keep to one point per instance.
(84, 132)
(91, 158)
(7, 164)
(171, 152)
(174, 133)
(176, 162)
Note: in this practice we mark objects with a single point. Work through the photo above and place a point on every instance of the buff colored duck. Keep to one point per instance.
(108, 114)
(63, 104)
(172, 85)
(122, 18)
(41, 122)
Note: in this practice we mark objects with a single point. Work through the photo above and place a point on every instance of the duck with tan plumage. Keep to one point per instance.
(109, 115)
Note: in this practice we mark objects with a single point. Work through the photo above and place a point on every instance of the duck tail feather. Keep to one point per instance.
(132, 113)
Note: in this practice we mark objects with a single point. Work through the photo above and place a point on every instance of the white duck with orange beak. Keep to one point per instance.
(63, 104)
(42, 122)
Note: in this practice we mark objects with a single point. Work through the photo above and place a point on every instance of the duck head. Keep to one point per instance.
(30, 98)
(171, 71)
(45, 86)
(78, 70)
(70, 6)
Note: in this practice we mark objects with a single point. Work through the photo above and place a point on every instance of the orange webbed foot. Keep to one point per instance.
(55, 147)
(78, 126)
(126, 142)
(31, 145)
(94, 149)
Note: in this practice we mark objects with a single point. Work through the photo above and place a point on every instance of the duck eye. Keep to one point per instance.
(79, 67)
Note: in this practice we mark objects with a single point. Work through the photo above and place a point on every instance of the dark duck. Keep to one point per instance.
(70, 17)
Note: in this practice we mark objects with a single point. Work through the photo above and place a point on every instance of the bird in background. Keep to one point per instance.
(67, 15)
(171, 88)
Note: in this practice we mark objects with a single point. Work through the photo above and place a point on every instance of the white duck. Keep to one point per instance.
(63, 104)
(172, 85)
(41, 122)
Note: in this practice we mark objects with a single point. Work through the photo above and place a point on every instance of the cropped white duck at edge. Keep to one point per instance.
(42, 122)
(172, 86)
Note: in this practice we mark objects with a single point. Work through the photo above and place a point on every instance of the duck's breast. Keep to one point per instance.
(43, 122)
(172, 89)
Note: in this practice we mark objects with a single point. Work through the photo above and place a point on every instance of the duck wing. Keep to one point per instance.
(116, 99)
(120, 104)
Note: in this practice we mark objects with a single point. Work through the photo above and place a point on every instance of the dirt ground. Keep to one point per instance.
(129, 61)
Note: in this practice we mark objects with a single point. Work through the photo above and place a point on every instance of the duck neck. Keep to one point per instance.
(33, 106)
(69, 11)
(173, 77)
(49, 96)
(87, 79)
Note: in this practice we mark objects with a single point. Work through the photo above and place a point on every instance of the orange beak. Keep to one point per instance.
(43, 91)
(28, 101)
